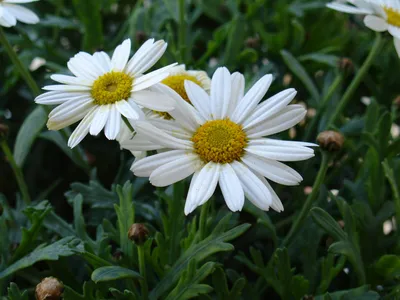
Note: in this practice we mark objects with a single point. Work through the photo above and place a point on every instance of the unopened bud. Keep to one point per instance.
(138, 233)
(345, 64)
(3, 130)
(49, 289)
(330, 140)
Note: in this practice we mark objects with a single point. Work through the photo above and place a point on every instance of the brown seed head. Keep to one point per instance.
(49, 289)
(138, 233)
(330, 140)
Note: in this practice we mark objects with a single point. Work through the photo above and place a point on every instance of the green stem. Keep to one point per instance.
(356, 81)
(142, 270)
(18, 64)
(182, 29)
(17, 172)
(310, 200)
(324, 103)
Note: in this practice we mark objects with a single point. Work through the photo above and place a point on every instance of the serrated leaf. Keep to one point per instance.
(388, 266)
(329, 224)
(27, 134)
(14, 293)
(113, 273)
(50, 252)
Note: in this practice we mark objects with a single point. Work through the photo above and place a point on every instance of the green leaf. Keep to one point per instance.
(299, 286)
(214, 243)
(327, 59)
(27, 134)
(235, 39)
(188, 286)
(89, 14)
(14, 293)
(113, 273)
(329, 224)
(388, 266)
(297, 69)
(51, 252)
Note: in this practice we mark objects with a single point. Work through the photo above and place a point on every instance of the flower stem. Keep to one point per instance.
(142, 270)
(310, 200)
(17, 172)
(182, 29)
(18, 64)
(356, 81)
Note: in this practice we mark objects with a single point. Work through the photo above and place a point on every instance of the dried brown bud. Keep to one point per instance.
(330, 140)
(138, 233)
(141, 36)
(252, 42)
(49, 289)
(3, 130)
(396, 101)
(345, 64)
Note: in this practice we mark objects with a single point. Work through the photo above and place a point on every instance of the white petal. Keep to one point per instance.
(19, 1)
(103, 61)
(113, 124)
(70, 107)
(251, 99)
(159, 137)
(273, 170)
(203, 187)
(395, 31)
(154, 101)
(126, 110)
(253, 187)
(175, 171)
(100, 119)
(139, 143)
(285, 119)
(67, 88)
(231, 188)
(220, 93)
(199, 98)
(347, 8)
(375, 23)
(270, 107)
(146, 166)
(281, 152)
(171, 127)
(121, 56)
(22, 14)
(237, 85)
(84, 65)
(56, 97)
(190, 205)
(68, 120)
(71, 80)
(274, 142)
(397, 46)
(82, 129)
(152, 78)
(138, 110)
(276, 202)
(144, 59)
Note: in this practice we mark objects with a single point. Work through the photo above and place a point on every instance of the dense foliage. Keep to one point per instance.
(75, 226)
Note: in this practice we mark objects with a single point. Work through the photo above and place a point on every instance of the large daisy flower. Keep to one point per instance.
(220, 139)
(381, 15)
(11, 12)
(105, 88)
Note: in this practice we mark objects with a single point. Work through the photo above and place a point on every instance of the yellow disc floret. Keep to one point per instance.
(112, 87)
(177, 83)
(220, 141)
(393, 16)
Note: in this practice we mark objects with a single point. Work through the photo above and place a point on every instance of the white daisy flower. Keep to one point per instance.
(220, 139)
(11, 12)
(381, 15)
(175, 81)
(103, 89)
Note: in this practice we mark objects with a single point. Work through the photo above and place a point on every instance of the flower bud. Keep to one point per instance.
(330, 140)
(49, 289)
(138, 233)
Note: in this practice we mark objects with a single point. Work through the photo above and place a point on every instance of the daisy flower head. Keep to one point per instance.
(221, 140)
(104, 89)
(380, 15)
(176, 79)
(11, 12)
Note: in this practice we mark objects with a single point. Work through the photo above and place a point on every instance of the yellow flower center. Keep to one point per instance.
(112, 87)
(177, 83)
(220, 141)
(393, 16)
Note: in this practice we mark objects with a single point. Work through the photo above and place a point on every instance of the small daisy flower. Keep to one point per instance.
(11, 12)
(176, 80)
(105, 88)
(220, 139)
(381, 15)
